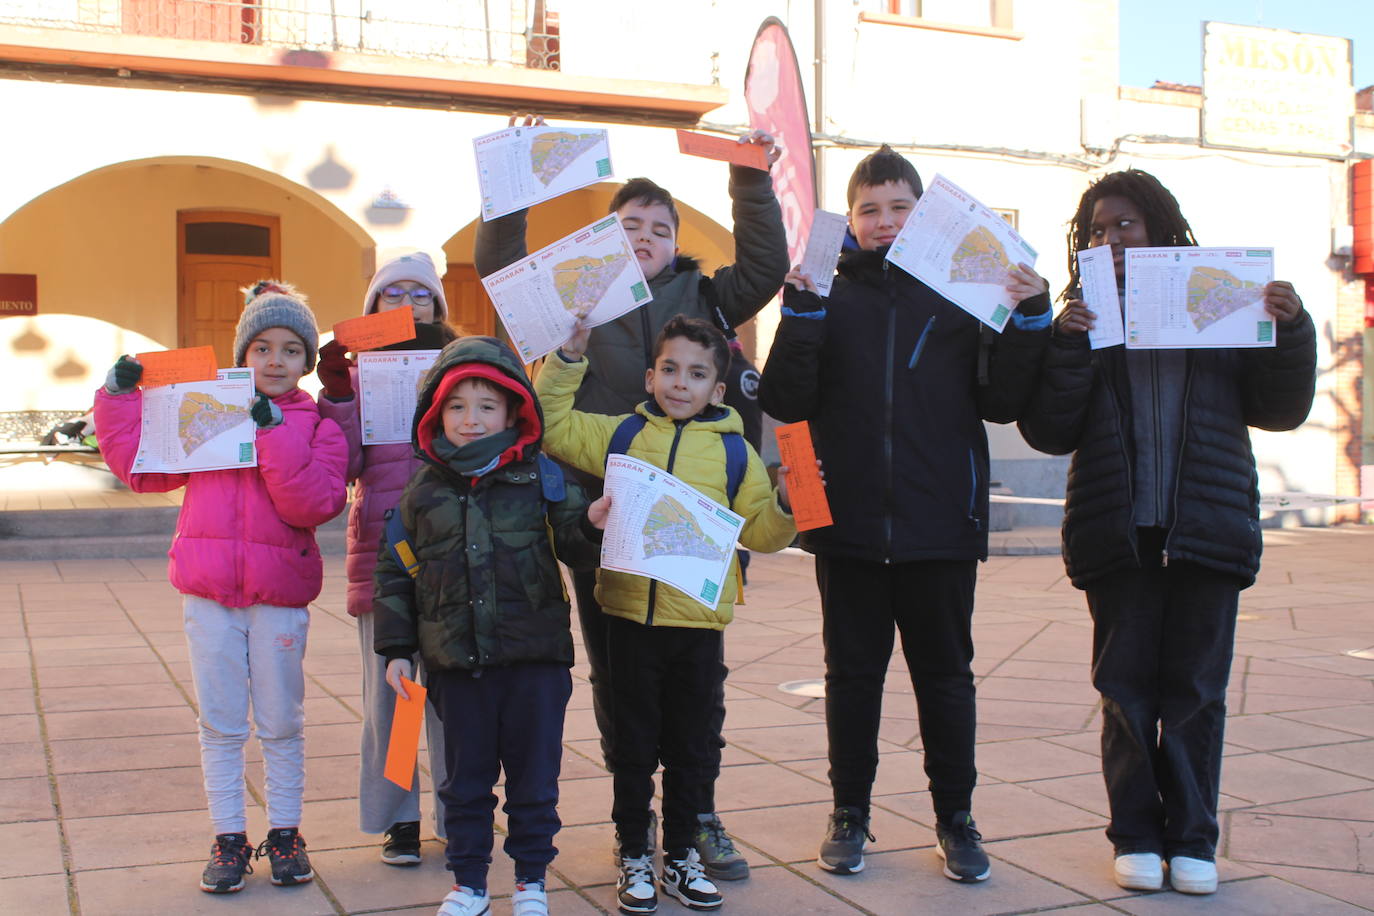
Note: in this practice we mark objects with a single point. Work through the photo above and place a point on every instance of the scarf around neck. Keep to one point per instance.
(475, 458)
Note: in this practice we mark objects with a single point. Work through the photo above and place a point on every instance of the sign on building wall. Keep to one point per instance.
(18, 295)
(1276, 91)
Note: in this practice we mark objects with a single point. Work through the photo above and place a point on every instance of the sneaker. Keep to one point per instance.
(230, 859)
(842, 850)
(635, 889)
(1140, 871)
(719, 856)
(650, 839)
(285, 849)
(529, 899)
(465, 901)
(401, 845)
(685, 878)
(1193, 876)
(960, 845)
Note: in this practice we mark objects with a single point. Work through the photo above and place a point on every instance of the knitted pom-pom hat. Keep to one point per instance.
(273, 304)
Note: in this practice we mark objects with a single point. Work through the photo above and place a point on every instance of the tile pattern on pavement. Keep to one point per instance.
(102, 811)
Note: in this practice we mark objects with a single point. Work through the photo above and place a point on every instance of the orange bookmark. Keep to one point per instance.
(805, 489)
(376, 330)
(166, 367)
(405, 728)
(708, 146)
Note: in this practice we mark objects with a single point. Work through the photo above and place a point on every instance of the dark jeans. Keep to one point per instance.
(931, 605)
(508, 717)
(593, 623)
(1162, 643)
(665, 681)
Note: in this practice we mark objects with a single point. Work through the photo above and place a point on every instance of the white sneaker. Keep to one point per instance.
(464, 901)
(635, 891)
(1193, 876)
(529, 899)
(1140, 871)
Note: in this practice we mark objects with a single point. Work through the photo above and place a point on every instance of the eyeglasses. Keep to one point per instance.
(392, 295)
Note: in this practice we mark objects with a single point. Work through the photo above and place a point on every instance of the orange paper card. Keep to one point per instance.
(376, 330)
(725, 149)
(405, 725)
(164, 367)
(805, 491)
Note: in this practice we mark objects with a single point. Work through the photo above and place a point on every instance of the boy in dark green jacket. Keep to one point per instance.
(468, 576)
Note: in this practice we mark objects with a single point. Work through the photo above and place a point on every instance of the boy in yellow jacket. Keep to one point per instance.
(664, 648)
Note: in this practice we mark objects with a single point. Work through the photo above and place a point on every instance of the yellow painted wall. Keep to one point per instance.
(104, 247)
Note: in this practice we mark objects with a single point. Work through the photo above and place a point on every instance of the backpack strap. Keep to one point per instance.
(399, 542)
(555, 487)
(736, 463)
(624, 434)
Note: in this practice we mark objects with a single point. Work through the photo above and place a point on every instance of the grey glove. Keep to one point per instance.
(265, 412)
(124, 375)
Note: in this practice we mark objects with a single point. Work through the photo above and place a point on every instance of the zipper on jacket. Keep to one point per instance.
(973, 491)
(888, 410)
(1178, 466)
(1125, 458)
(921, 343)
(1156, 425)
(672, 458)
(647, 338)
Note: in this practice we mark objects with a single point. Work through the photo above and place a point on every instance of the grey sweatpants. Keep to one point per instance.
(381, 802)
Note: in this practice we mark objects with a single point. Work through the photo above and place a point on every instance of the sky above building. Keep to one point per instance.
(1162, 39)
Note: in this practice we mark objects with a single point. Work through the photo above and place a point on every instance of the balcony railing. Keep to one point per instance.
(514, 33)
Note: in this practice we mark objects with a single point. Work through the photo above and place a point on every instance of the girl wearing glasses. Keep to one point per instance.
(379, 473)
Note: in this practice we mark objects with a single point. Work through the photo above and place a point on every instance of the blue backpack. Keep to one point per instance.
(736, 453)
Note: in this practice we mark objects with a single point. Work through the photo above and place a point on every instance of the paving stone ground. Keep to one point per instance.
(102, 812)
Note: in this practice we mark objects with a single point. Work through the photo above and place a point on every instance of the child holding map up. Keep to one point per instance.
(620, 351)
(896, 380)
(379, 472)
(467, 577)
(245, 560)
(1161, 529)
(663, 648)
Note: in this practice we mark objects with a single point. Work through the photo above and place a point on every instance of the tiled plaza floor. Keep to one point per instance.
(101, 808)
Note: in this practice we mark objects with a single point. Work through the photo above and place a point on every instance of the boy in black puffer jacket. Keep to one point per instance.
(896, 381)
(467, 576)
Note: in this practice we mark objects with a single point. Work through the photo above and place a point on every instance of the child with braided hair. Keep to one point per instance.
(1161, 530)
(245, 560)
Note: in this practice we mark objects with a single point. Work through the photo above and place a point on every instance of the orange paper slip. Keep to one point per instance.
(165, 367)
(805, 490)
(376, 330)
(405, 728)
(723, 148)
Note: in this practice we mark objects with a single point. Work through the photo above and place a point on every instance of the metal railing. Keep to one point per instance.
(513, 33)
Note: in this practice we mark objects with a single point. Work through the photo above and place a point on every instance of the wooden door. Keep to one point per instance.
(220, 253)
(470, 311)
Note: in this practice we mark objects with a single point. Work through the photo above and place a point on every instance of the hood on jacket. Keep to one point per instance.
(416, 267)
(476, 357)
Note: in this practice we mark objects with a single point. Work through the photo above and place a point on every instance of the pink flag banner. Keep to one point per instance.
(777, 104)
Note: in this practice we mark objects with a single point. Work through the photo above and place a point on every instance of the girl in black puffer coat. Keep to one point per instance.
(1161, 529)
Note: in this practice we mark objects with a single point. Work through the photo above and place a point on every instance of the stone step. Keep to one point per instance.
(85, 534)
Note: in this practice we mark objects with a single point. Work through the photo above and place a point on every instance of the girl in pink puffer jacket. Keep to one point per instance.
(379, 473)
(244, 558)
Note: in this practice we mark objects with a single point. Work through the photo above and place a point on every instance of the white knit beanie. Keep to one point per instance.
(273, 304)
(416, 267)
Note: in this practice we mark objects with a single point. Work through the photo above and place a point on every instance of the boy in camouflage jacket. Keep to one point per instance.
(475, 587)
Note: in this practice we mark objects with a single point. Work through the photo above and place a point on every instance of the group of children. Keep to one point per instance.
(455, 542)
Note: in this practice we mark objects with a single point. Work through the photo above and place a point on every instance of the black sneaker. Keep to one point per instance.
(230, 859)
(650, 839)
(635, 888)
(401, 845)
(842, 850)
(960, 845)
(685, 879)
(285, 849)
(719, 856)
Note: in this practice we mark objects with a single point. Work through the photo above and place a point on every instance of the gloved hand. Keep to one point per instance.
(265, 413)
(802, 301)
(332, 370)
(124, 375)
